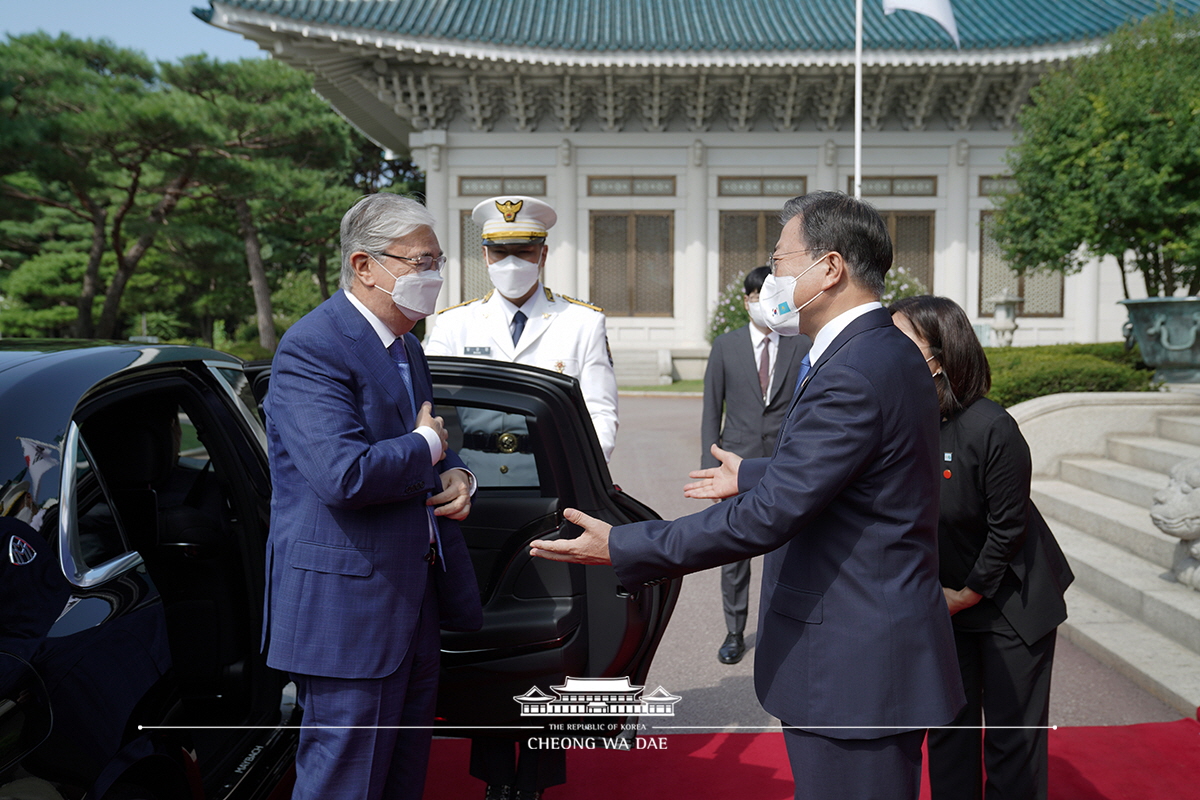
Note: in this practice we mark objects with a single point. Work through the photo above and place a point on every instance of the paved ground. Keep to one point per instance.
(658, 443)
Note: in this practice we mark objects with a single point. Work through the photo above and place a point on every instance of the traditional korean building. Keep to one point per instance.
(597, 697)
(668, 133)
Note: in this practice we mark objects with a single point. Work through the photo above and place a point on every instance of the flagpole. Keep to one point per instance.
(858, 97)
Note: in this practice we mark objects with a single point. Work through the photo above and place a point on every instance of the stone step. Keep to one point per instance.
(1107, 518)
(1180, 429)
(1150, 452)
(1134, 485)
(640, 368)
(1164, 668)
(1143, 590)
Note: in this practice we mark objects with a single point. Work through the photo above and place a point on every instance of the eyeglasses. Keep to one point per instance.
(773, 259)
(420, 262)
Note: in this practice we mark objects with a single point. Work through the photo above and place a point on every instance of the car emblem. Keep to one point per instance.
(20, 552)
(507, 443)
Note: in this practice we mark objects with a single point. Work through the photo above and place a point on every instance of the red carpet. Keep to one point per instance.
(1130, 762)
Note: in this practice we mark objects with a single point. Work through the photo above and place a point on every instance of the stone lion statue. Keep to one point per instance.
(1176, 512)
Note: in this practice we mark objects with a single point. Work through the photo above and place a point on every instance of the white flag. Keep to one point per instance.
(937, 10)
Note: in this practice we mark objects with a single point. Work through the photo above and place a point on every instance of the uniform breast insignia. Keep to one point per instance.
(581, 303)
(546, 315)
(486, 352)
(560, 366)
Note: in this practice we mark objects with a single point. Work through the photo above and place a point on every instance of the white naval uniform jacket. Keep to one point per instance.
(561, 334)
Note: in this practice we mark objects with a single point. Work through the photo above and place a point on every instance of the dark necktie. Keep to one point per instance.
(805, 366)
(764, 367)
(518, 326)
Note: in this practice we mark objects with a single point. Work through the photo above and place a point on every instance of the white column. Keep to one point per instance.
(562, 267)
(429, 152)
(691, 305)
(950, 269)
(1086, 294)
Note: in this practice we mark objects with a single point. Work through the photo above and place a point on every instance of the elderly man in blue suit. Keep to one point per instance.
(856, 654)
(365, 559)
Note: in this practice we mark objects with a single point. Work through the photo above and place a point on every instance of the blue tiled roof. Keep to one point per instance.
(602, 26)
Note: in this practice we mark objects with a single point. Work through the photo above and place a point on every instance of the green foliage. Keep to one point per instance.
(730, 313)
(1109, 160)
(128, 188)
(1023, 373)
(898, 284)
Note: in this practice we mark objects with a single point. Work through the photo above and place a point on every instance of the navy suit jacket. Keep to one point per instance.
(853, 626)
(346, 572)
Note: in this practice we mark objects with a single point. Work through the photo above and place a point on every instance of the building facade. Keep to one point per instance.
(668, 133)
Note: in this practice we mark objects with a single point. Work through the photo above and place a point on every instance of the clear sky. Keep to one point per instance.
(164, 30)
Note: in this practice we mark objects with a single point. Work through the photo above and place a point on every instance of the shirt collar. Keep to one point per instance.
(756, 336)
(381, 330)
(835, 326)
(511, 308)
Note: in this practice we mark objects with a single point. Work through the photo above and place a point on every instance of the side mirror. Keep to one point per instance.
(25, 715)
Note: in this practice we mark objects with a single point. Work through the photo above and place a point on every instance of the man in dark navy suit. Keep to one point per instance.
(365, 559)
(855, 655)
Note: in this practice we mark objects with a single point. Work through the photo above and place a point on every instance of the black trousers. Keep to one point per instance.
(1008, 686)
(495, 759)
(888, 768)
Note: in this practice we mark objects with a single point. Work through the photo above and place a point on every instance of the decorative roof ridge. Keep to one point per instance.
(246, 22)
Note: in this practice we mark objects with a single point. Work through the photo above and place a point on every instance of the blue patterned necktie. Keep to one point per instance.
(518, 326)
(805, 366)
(400, 358)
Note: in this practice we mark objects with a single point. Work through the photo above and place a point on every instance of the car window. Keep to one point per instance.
(242, 390)
(499, 448)
(100, 531)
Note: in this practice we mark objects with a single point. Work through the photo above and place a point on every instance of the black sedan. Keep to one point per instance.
(134, 499)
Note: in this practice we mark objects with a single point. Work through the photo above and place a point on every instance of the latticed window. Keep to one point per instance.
(912, 243)
(632, 269)
(1042, 291)
(475, 280)
(747, 239)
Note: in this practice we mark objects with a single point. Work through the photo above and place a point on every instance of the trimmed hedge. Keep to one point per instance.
(1023, 373)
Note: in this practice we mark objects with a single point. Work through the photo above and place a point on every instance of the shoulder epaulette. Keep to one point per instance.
(460, 305)
(581, 303)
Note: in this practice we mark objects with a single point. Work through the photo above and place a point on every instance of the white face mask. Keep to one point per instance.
(756, 313)
(414, 294)
(513, 277)
(777, 298)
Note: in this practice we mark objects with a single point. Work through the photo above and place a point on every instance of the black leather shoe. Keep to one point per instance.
(498, 791)
(732, 650)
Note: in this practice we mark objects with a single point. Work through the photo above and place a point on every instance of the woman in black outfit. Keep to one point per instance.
(1001, 570)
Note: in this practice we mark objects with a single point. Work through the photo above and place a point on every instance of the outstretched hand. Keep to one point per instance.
(590, 547)
(715, 483)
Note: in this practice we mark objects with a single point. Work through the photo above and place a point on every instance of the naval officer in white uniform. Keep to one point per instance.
(523, 321)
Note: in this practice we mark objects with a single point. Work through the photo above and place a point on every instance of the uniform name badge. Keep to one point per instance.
(477, 351)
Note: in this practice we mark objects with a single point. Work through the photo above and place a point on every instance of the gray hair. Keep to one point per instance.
(833, 221)
(373, 222)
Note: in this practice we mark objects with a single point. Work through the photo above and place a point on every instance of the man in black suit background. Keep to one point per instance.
(748, 386)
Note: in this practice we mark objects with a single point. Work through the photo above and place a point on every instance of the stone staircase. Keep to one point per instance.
(642, 367)
(1125, 608)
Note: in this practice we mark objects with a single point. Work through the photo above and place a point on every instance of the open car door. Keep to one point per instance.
(526, 435)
